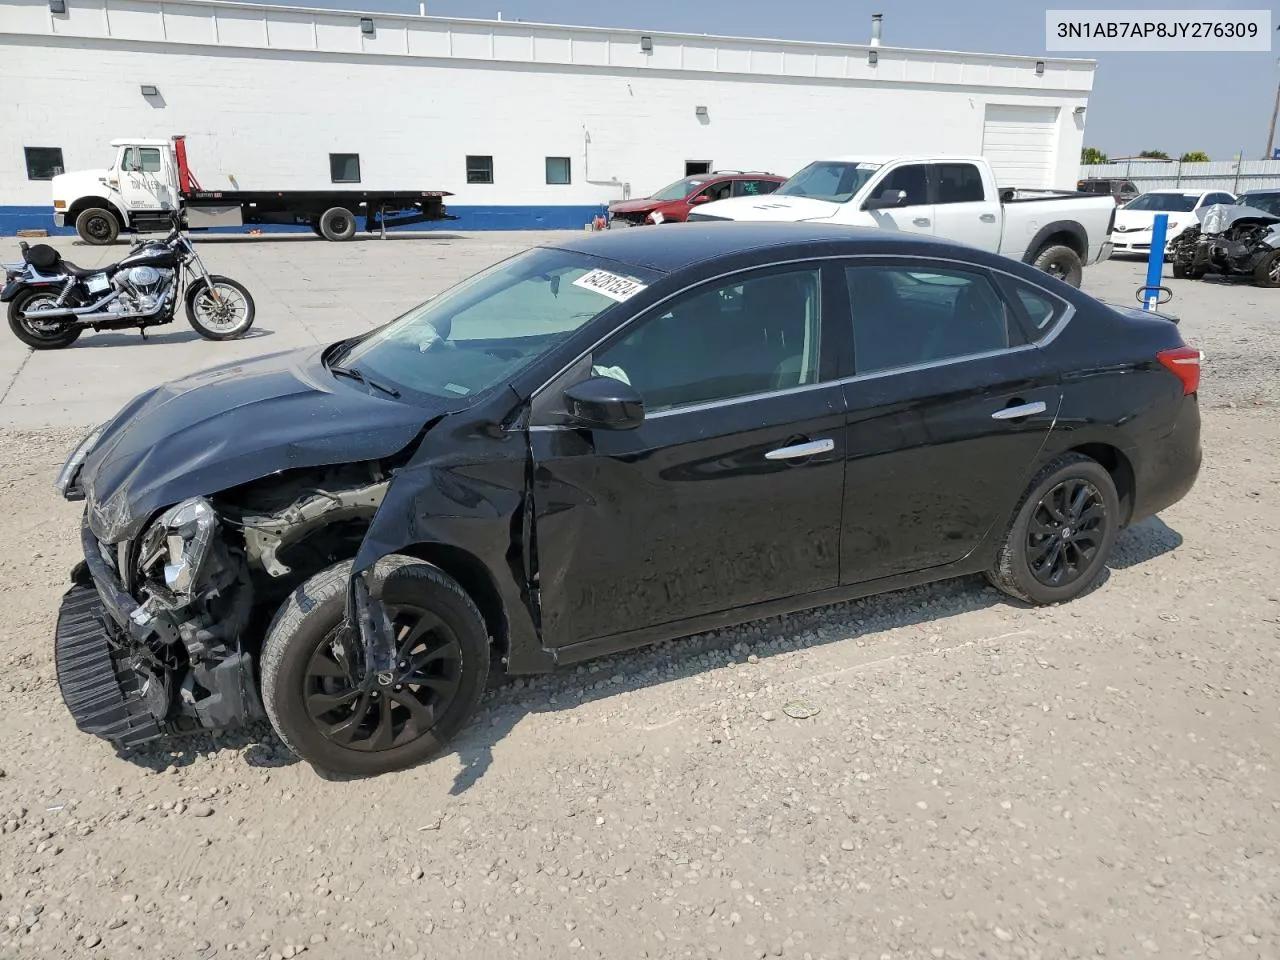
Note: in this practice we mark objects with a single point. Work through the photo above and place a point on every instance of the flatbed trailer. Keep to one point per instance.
(152, 179)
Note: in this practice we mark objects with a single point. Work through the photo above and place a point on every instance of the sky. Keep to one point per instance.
(1220, 103)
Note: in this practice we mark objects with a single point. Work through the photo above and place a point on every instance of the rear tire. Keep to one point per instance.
(1267, 273)
(325, 719)
(1061, 262)
(1045, 538)
(55, 338)
(337, 224)
(97, 226)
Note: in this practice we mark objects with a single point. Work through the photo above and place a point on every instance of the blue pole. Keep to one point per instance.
(1155, 262)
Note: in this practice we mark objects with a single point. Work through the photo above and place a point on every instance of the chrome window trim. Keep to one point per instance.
(1054, 331)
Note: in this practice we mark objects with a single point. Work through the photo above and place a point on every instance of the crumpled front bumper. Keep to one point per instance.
(96, 628)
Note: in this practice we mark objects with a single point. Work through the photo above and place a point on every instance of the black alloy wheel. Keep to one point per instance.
(346, 720)
(394, 708)
(1061, 532)
(1065, 532)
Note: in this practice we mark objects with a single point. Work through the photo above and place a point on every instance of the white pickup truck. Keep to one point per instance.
(950, 197)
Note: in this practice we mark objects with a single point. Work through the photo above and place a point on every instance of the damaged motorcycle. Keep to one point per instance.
(52, 301)
(1231, 240)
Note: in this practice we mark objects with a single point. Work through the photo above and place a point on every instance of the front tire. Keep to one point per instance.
(97, 226)
(337, 224)
(365, 729)
(47, 336)
(1061, 534)
(1267, 273)
(1061, 262)
(227, 318)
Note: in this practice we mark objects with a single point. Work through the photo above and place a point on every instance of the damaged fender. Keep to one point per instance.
(463, 485)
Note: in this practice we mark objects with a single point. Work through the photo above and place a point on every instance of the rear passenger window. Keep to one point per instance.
(903, 317)
(1042, 310)
(959, 183)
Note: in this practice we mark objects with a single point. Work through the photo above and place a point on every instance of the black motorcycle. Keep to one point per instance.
(52, 301)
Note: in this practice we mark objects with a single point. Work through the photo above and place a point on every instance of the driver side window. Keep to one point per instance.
(913, 179)
(722, 341)
(718, 191)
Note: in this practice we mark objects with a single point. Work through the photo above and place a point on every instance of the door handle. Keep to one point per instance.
(801, 450)
(921, 221)
(988, 218)
(1016, 413)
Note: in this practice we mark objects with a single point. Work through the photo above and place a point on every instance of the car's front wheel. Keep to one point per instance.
(1061, 533)
(367, 725)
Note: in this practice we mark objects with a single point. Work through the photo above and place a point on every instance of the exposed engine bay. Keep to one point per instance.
(198, 587)
(1231, 240)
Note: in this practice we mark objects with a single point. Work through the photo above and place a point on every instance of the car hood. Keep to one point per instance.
(229, 425)
(770, 207)
(1222, 216)
(1130, 220)
(637, 206)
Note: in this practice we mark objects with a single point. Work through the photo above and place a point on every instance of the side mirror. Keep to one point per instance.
(605, 403)
(888, 199)
(701, 198)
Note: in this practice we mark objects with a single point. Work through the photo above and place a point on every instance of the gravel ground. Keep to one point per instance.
(935, 773)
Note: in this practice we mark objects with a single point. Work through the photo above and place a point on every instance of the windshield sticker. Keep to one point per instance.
(611, 285)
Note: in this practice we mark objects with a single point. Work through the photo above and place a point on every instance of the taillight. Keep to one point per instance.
(1183, 363)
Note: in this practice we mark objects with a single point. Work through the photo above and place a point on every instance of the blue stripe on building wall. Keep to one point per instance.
(13, 219)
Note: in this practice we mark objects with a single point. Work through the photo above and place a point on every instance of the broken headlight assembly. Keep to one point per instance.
(65, 483)
(177, 544)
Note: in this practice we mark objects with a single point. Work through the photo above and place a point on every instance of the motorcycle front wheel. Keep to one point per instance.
(226, 316)
(36, 334)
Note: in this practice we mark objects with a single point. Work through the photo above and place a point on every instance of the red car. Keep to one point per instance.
(672, 203)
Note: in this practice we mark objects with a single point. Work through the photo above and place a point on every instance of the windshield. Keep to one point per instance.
(483, 331)
(1172, 202)
(1269, 202)
(829, 180)
(680, 189)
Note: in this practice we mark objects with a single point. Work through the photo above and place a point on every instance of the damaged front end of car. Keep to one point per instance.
(157, 635)
(1231, 240)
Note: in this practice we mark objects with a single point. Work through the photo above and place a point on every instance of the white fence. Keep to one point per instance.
(1217, 175)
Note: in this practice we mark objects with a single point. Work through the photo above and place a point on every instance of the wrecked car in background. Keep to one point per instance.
(594, 445)
(1231, 239)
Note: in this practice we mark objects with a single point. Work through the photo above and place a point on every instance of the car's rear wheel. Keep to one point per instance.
(371, 725)
(1061, 262)
(1061, 534)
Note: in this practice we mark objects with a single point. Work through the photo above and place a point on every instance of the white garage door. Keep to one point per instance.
(1021, 143)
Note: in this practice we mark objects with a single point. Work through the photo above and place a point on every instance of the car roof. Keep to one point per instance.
(675, 246)
(1185, 193)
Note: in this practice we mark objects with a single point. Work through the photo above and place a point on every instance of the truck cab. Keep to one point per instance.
(139, 187)
(950, 197)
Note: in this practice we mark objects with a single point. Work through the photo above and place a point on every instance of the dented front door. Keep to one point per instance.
(691, 513)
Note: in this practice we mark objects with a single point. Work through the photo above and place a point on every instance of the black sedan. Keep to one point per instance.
(596, 444)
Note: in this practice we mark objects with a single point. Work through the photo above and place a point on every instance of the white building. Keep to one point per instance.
(497, 112)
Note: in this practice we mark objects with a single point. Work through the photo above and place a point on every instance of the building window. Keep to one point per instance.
(479, 169)
(43, 163)
(344, 167)
(693, 168)
(558, 170)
